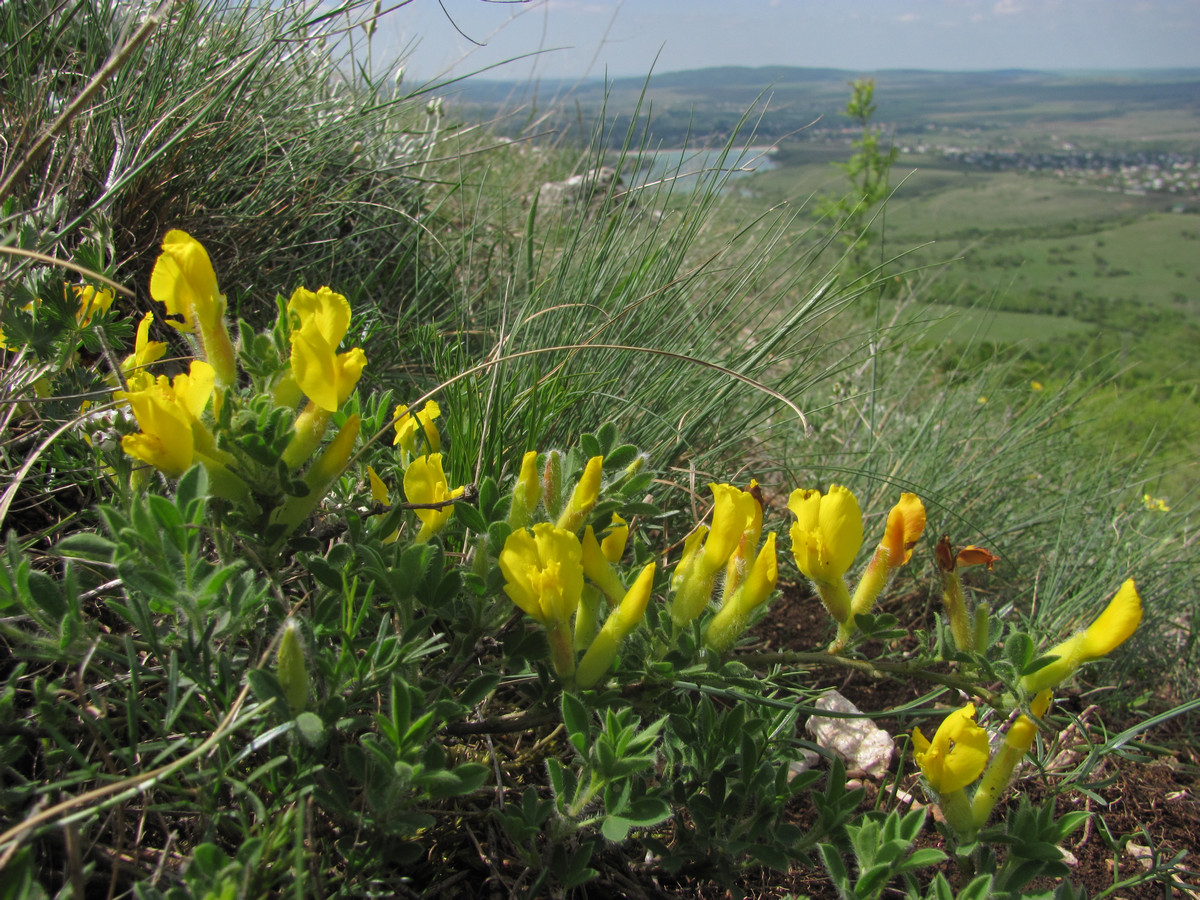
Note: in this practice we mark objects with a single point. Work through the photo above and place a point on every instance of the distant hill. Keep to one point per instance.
(711, 102)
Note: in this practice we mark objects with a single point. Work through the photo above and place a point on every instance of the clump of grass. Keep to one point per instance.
(246, 124)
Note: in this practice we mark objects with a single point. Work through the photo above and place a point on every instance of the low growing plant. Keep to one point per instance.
(261, 659)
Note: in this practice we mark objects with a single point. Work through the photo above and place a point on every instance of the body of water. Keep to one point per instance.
(686, 168)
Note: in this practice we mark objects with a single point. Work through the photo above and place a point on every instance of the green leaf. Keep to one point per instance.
(489, 494)
(1019, 650)
(575, 718)
(911, 825)
(646, 811)
(471, 517)
(834, 865)
(620, 457)
(772, 857)
(190, 493)
(324, 572)
(554, 771)
(924, 856)
(979, 889)
(474, 692)
(266, 687)
(872, 881)
(497, 533)
(615, 828)
(590, 445)
(86, 545)
(1043, 851)
(1070, 822)
(607, 436)
(44, 592)
(311, 729)
(940, 889)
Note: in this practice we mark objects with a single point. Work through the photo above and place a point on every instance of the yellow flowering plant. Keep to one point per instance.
(569, 551)
(263, 455)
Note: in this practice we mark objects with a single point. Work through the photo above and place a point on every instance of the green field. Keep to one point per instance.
(1071, 277)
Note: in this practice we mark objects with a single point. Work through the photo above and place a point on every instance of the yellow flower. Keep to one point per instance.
(613, 543)
(599, 569)
(1155, 504)
(620, 622)
(1113, 627)
(325, 376)
(827, 533)
(526, 492)
(739, 560)
(379, 493)
(543, 571)
(168, 414)
(318, 477)
(425, 482)
(91, 301)
(408, 426)
(734, 512)
(145, 351)
(584, 497)
(905, 523)
(730, 621)
(183, 280)
(1017, 741)
(957, 754)
(692, 546)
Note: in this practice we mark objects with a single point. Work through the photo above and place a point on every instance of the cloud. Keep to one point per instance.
(908, 18)
(1008, 8)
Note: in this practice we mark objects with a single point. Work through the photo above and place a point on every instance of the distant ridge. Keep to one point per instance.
(714, 103)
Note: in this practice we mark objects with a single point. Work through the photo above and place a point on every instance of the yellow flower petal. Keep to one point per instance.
(183, 280)
(613, 544)
(905, 523)
(958, 753)
(425, 482)
(733, 512)
(379, 491)
(1112, 628)
(827, 533)
(543, 572)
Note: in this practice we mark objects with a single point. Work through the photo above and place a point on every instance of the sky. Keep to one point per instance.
(617, 38)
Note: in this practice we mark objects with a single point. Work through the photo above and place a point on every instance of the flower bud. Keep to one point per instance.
(290, 667)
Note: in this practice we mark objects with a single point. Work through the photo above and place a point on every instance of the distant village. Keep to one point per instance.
(1126, 173)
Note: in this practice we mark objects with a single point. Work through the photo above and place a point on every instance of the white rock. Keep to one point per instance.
(861, 744)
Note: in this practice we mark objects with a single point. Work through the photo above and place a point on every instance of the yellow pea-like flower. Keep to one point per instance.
(584, 497)
(145, 352)
(425, 482)
(168, 414)
(621, 621)
(957, 754)
(543, 575)
(183, 281)
(92, 301)
(1112, 628)
(905, 523)
(325, 376)
(827, 533)
(409, 426)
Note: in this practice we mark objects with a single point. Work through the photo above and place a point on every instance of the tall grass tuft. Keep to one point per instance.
(255, 127)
